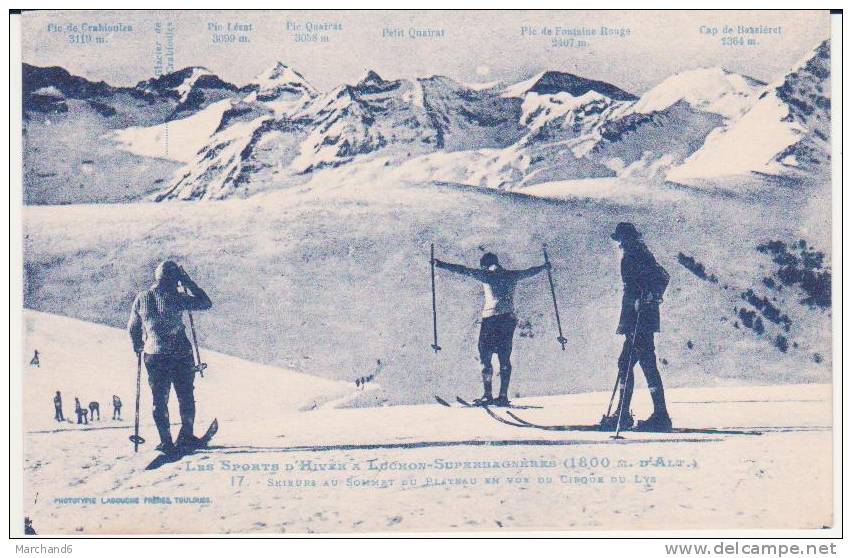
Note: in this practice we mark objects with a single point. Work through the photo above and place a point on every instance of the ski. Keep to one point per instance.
(504, 420)
(211, 431)
(467, 404)
(575, 428)
(442, 401)
(596, 428)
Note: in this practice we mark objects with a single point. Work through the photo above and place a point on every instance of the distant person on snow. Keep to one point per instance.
(156, 328)
(498, 319)
(116, 407)
(34, 362)
(94, 408)
(644, 283)
(57, 407)
(82, 414)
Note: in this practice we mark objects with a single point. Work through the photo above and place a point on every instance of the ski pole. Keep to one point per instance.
(630, 365)
(200, 366)
(561, 338)
(136, 438)
(435, 346)
(612, 397)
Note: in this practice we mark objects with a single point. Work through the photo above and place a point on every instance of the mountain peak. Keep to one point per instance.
(710, 89)
(551, 82)
(792, 119)
(371, 78)
(280, 78)
(279, 72)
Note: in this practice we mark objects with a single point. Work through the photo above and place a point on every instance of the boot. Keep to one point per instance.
(657, 422)
(610, 423)
(167, 448)
(188, 442)
(486, 399)
(502, 401)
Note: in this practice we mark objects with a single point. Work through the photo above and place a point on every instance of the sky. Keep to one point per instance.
(636, 51)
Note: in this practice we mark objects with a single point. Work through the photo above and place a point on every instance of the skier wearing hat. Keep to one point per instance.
(644, 283)
(498, 319)
(156, 328)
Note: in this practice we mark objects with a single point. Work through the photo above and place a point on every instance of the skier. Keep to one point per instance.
(116, 407)
(156, 328)
(57, 406)
(498, 319)
(34, 362)
(94, 407)
(644, 282)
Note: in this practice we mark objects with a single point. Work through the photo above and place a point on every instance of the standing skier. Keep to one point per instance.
(57, 407)
(644, 283)
(80, 412)
(116, 407)
(156, 328)
(498, 319)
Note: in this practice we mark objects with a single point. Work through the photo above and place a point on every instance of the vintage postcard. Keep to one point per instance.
(426, 272)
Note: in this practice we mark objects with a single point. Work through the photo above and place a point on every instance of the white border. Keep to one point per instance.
(632, 547)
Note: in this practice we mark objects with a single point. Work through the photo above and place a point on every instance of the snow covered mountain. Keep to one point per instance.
(785, 133)
(397, 118)
(278, 129)
(281, 82)
(80, 136)
(588, 129)
(714, 90)
(669, 122)
(193, 88)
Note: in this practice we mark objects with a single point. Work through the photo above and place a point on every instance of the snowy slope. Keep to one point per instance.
(467, 119)
(713, 90)
(578, 129)
(273, 427)
(177, 140)
(358, 233)
(644, 145)
(255, 138)
(785, 133)
(277, 90)
(227, 160)
(644, 139)
(360, 119)
(578, 114)
(93, 362)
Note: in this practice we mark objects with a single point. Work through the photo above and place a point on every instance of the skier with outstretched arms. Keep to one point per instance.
(157, 332)
(498, 319)
(644, 282)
